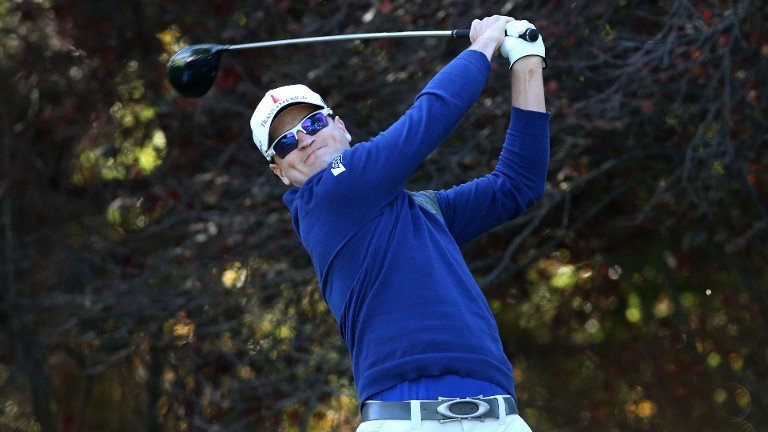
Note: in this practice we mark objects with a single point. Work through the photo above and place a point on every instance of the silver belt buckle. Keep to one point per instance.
(445, 409)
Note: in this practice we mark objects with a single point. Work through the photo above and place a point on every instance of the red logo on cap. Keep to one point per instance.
(274, 99)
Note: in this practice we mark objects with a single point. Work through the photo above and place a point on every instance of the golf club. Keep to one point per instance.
(193, 70)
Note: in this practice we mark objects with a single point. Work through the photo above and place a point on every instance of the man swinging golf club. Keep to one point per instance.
(417, 326)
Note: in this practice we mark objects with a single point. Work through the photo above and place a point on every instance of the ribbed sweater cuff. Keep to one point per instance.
(478, 59)
(529, 122)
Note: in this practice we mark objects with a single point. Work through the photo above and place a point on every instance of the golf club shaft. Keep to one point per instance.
(387, 35)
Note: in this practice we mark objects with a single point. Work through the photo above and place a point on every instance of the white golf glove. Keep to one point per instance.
(514, 48)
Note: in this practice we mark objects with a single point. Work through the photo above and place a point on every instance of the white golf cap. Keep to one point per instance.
(272, 103)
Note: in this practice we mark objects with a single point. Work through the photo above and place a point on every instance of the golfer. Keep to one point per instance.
(425, 348)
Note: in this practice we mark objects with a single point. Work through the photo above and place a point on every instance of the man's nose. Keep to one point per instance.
(305, 140)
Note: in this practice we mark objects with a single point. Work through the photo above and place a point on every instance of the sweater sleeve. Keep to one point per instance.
(517, 182)
(383, 164)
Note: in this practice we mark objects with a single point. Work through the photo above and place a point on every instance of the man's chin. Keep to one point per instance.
(315, 166)
(321, 159)
(318, 162)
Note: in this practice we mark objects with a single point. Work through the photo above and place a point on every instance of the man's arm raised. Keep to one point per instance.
(518, 181)
(528, 84)
(526, 60)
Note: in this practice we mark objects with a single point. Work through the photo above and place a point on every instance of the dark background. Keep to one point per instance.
(151, 280)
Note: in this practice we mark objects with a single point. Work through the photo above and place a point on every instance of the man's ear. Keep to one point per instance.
(279, 172)
(340, 123)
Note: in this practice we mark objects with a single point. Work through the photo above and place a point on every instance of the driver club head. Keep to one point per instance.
(193, 70)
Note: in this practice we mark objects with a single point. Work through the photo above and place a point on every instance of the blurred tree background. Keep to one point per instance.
(151, 279)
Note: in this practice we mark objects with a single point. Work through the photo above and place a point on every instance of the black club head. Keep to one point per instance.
(193, 70)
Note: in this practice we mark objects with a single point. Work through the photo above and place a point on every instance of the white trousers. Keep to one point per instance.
(514, 423)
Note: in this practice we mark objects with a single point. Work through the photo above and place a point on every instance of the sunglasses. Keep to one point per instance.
(310, 125)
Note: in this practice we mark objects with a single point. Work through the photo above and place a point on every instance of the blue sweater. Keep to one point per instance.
(388, 260)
